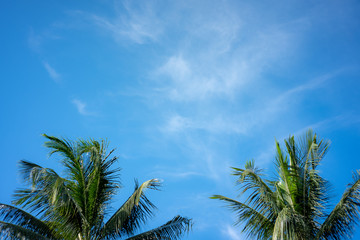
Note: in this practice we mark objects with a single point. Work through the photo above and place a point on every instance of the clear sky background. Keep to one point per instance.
(182, 89)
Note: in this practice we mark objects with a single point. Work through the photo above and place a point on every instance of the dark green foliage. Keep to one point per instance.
(294, 206)
(75, 206)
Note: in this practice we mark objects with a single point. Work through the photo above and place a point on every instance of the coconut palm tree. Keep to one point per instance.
(76, 206)
(295, 205)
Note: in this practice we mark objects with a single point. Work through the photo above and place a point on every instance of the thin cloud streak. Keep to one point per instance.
(139, 25)
(170, 173)
(216, 125)
(82, 107)
(52, 72)
(231, 233)
(268, 153)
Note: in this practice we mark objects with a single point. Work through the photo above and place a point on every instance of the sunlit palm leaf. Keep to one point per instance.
(132, 213)
(173, 229)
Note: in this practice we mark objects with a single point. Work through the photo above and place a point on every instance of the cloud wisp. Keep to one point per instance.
(215, 125)
(137, 24)
(54, 75)
(242, 123)
(231, 233)
(81, 107)
(210, 75)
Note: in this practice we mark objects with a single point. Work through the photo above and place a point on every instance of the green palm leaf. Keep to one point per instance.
(173, 229)
(15, 217)
(294, 205)
(74, 206)
(340, 222)
(261, 195)
(129, 217)
(16, 232)
(256, 224)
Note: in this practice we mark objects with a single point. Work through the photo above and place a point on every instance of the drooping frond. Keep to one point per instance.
(261, 196)
(51, 196)
(128, 218)
(16, 232)
(64, 147)
(20, 218)
(256, 224)
(48, 189)
(340, 222)
(173, 229)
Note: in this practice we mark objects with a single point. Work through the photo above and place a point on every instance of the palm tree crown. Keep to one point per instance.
(76, 206)
(294, 206)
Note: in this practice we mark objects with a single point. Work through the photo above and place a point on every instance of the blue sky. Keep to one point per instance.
(182, 89)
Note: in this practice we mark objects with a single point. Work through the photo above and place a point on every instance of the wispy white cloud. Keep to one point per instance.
(205, 158)
(209, 73)
(185, 84)
(175, 173)
(268, 152)
(231, 233)
(217, 86)
(307, 86)
(136, 23)
(333, 122)
(82, 107)
(215, 124)
(242, 123)
(34, 41)
(218, 32)
(52, 72)
(177, 123)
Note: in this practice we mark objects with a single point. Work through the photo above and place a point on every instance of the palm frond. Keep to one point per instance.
(261, 196)
(132, 213)
(173, 229)
(74, 206)
(287, 174)
(64, 147)
(256, 224)
(51, 196)
(340, 222)
(16, 232)
(101, 184)
(310, 148)
(296, 203)
(313, 190)
(16, 216)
